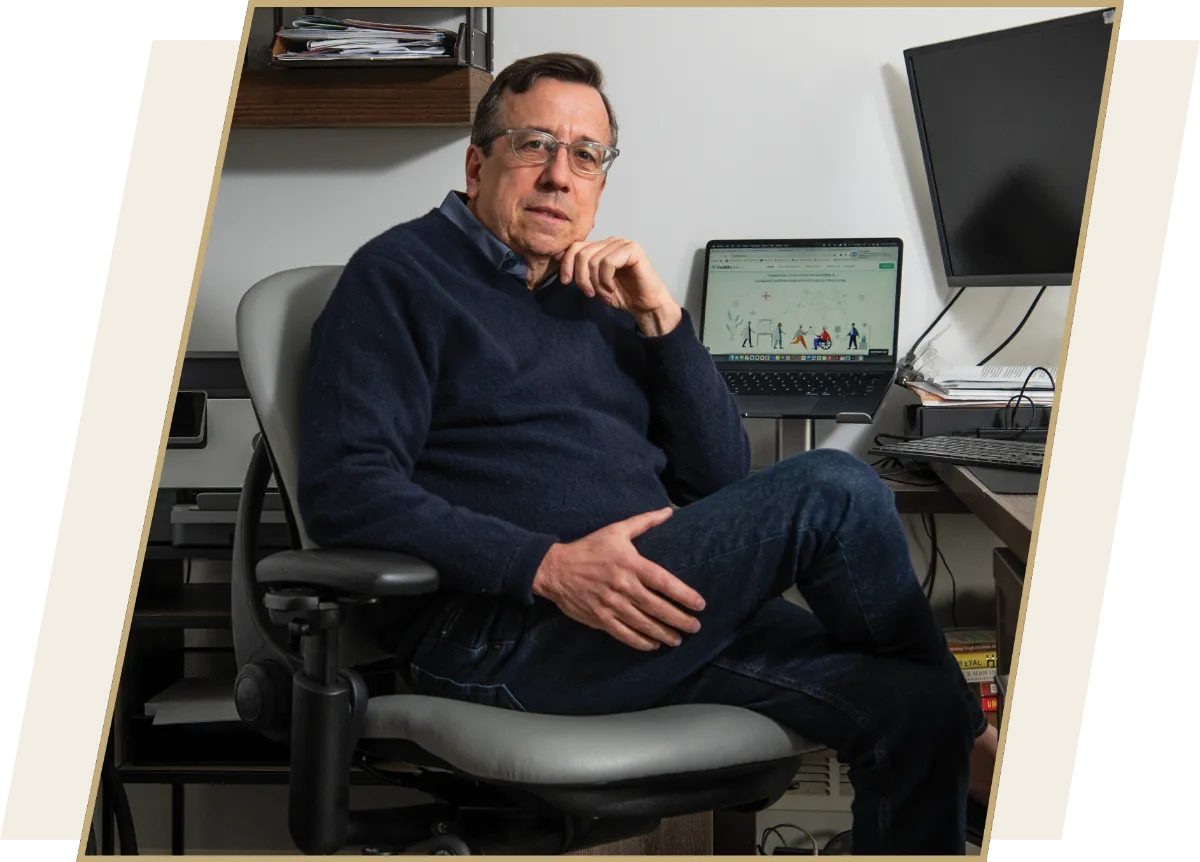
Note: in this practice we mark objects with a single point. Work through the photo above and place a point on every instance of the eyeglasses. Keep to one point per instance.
(585, 157)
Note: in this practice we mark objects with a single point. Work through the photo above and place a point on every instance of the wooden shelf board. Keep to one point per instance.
(348, 98)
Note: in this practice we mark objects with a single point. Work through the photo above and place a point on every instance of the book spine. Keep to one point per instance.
(976, 659)
(979, 674)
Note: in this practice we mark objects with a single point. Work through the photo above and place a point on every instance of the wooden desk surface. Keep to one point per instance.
(1009, 516)
(934, 499)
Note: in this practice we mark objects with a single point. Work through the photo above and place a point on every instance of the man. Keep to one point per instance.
(494, 393)
(853, 343)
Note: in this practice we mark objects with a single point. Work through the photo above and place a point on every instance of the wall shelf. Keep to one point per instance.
(345, 98)
(435, 91)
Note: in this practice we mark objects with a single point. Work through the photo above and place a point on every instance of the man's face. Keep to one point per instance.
(539, 210)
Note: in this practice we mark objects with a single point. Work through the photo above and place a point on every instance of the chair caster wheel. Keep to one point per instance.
(449, 845)
(442, 845)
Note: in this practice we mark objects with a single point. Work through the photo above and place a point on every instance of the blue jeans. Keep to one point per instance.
(866, 672)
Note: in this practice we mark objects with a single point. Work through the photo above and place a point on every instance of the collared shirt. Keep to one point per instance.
(454, 207)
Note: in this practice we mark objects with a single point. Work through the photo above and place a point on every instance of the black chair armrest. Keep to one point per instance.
(378, 574)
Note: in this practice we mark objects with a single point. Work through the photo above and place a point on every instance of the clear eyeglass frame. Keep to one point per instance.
(600, 155)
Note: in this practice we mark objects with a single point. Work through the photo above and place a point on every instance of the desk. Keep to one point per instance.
(1009, 516)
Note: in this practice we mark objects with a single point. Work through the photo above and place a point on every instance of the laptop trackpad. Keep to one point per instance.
(771, 406)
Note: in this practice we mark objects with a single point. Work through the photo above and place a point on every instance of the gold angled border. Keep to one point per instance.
(159, 251)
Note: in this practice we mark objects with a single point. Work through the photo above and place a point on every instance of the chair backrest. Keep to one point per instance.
(274, 326)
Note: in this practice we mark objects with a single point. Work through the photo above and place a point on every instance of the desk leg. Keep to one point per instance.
(177, 820)
(108, 844)
(1009, 574)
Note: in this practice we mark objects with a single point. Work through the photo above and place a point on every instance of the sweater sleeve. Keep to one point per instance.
(373, 367)
(695, 420)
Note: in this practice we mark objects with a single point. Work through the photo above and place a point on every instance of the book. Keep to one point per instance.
(979, 674)
(970, 640)
(977, 659)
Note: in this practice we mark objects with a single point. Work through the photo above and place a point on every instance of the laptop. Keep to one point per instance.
(803, 328)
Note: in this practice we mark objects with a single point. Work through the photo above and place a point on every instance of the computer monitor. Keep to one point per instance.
(799, 300)
(1007, 123)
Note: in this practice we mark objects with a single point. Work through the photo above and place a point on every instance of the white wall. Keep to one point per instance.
(751, 123)
(756, 123)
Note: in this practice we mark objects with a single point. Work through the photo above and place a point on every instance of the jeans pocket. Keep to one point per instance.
(474, 626)
(484, 694)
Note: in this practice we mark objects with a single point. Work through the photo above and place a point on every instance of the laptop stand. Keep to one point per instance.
(808, 441)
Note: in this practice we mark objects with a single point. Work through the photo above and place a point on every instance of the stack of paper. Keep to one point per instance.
(315, 37)
(986, 385)
(194, 701)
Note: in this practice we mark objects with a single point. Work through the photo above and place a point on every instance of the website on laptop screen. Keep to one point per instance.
(801, 303)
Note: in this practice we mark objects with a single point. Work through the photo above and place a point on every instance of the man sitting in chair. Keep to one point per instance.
(519, 406)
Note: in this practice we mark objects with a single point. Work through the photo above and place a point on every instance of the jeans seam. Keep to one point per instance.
(416, 670)
(763, 540)
(841, 550)
(814, 691)
(472, 651)
(885, 801)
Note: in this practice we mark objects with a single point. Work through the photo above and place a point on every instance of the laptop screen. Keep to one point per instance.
(802, 300)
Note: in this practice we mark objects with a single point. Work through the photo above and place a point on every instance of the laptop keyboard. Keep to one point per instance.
(843, 385)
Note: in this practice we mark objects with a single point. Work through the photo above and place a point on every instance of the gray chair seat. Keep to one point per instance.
(575, 750)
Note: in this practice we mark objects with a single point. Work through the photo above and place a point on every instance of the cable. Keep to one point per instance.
(115, 788)
(901, 437)
(1013, 334)
(912, 351)
(935, 554)
(782, 843)
(1011, 408)
(904, 471)
(931, 570)
(834, 841)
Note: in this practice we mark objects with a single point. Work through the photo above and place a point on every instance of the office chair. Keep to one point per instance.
(306, 624)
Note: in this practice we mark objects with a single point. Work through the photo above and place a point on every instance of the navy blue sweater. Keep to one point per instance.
(455, 415)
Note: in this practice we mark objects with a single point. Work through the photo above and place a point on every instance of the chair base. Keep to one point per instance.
(444, 830)
(471, 818)
(748, 787)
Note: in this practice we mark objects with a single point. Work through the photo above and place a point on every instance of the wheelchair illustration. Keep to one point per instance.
(822, 343)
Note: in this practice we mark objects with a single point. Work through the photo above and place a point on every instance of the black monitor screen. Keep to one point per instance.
(1007, 123)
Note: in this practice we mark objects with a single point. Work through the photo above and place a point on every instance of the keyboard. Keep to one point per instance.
(967, 451)
(843, 385)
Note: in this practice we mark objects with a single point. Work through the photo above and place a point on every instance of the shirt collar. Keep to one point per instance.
(503, 258)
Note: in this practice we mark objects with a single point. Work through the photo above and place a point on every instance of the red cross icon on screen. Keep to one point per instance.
(766, 296)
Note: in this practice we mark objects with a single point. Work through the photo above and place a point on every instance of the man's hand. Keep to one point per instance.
(619, 273)
(603, 582)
